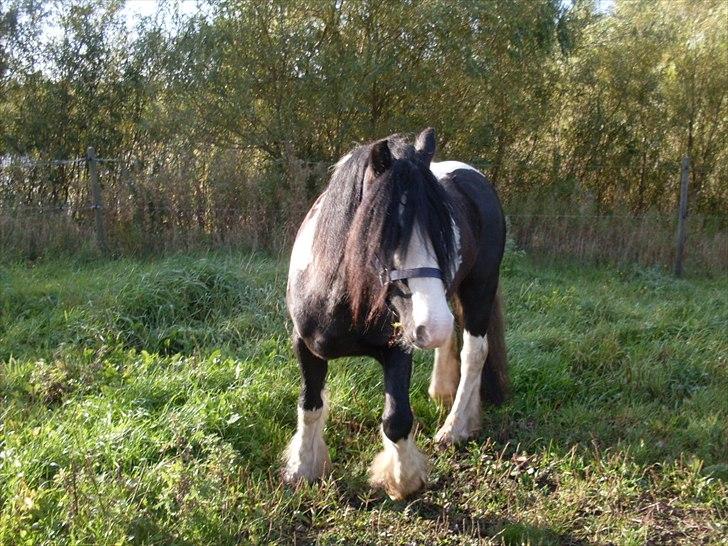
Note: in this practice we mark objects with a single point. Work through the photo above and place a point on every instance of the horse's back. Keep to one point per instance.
(442, 169)
(480, 206)
(465, 182)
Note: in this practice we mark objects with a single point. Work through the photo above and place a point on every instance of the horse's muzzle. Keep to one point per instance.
(434, 333)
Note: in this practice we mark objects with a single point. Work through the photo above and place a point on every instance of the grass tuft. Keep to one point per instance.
(166, 310)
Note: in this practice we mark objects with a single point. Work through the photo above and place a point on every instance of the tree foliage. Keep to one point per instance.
(548, 96)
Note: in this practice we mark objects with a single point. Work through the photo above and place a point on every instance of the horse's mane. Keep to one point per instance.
(359, 231)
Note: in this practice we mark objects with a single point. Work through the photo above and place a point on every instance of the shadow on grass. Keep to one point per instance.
(459, 522)
(455, 521)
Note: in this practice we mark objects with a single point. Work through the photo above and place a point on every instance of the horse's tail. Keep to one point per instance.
(494, 384)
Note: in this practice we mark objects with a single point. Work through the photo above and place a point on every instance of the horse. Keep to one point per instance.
(390, 241)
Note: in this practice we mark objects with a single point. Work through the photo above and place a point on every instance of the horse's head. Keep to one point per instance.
(402, 244)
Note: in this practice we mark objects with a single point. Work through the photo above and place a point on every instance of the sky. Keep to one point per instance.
(141, 8)
(136, 9)
(602, 5)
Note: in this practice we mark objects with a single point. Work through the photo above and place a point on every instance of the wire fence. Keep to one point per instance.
(126, 205)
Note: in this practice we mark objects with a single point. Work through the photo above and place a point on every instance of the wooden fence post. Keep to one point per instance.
(682, 216)
(97, 203)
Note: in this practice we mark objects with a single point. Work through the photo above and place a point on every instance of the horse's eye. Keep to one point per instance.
(400, 289)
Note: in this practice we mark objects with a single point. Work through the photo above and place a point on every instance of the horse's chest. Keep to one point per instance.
(324, 323)
(318, 308)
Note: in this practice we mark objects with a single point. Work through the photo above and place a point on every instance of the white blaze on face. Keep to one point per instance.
(431, 316)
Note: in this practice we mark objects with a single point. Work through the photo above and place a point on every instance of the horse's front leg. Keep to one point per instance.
(400, 469)
(307, 457)
(464, 420)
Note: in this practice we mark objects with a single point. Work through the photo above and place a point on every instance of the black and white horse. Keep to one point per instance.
(393, 237)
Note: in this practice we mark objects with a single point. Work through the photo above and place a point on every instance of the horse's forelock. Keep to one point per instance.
(378, 230)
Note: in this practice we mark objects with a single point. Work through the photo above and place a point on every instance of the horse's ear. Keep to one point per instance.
(380, 158)
(425, 146)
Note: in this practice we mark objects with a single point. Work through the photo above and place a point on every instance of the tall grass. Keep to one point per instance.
(226, 200)
(30, 234)
(647, 240)
(176, 202)
(165, 311)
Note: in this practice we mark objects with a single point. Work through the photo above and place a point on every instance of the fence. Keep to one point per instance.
(174, 201)
(123, 205)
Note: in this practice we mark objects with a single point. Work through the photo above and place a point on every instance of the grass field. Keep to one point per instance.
(148, 402)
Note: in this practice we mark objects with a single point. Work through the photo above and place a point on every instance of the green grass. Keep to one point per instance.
(149, 401)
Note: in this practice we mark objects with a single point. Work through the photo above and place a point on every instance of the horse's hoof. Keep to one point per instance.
(305, 466)
(400, 469)
(450, 434)
(298, 476)
(293, 478)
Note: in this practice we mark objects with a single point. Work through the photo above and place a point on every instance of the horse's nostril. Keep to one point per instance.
(421, 335)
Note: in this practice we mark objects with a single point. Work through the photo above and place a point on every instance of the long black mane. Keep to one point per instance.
(365, 219)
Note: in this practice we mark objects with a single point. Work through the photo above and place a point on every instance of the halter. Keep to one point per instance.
(387, 276)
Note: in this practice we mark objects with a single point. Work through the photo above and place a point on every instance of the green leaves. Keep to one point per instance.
(559, 104)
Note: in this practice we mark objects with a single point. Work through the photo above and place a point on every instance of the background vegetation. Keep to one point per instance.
(226, 120)
(148, 402)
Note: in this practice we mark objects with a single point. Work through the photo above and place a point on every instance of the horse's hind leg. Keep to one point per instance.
(307, 457)
(445, 372)
(400, 469)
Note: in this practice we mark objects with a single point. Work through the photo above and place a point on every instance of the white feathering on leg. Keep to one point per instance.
(307, 457)
(400, 469)
(463, 420)
(445, 373)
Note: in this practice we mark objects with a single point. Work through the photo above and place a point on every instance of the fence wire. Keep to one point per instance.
(140, 209)
(203, 208)
(54, 162)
